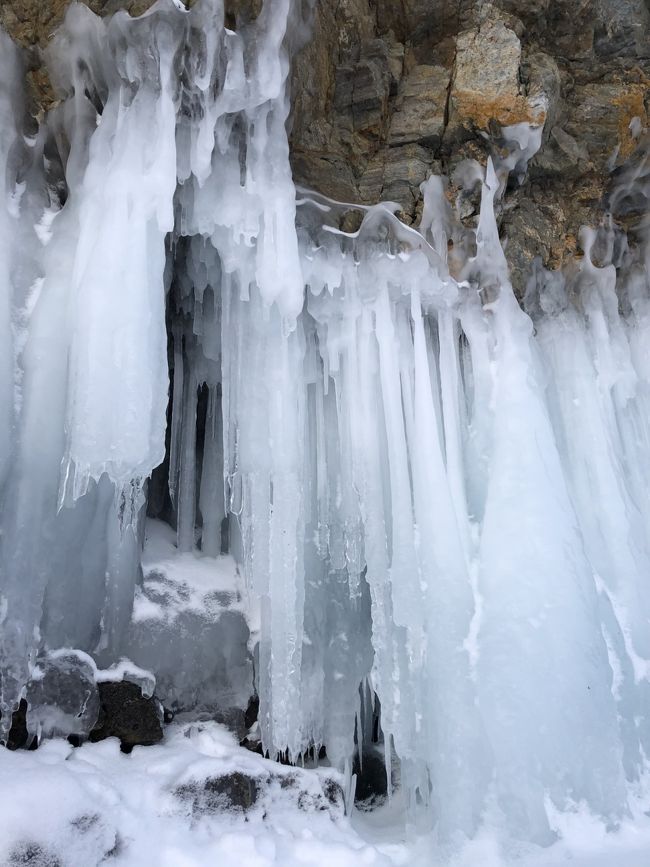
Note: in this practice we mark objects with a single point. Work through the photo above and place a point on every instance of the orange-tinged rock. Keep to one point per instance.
(630, 105)
(486, 80)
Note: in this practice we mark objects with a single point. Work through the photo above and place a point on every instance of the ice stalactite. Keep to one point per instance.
(8, 110)
(90, 424)
(426, 488)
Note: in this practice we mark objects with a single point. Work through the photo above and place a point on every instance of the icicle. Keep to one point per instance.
(211, 500)
(349, 787)
(187, 468)
(118, 385)
(177, 411)
(10, 88)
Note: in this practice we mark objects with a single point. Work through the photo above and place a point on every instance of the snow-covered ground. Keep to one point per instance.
(66, 807)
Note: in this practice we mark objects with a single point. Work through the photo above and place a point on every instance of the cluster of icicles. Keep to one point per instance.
(428, 489)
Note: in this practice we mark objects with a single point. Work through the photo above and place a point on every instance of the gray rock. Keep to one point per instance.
(63, 699)
(200, 658)
(240, 792)
(362, 90)
(32, 854)
(419, 113)
(233, 791)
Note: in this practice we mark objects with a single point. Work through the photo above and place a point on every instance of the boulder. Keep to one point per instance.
(62, 695)
(240, 791)
(232, 791)
(127, 714)
(189, 627)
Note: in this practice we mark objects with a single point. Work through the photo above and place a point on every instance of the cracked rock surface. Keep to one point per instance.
(388, 92)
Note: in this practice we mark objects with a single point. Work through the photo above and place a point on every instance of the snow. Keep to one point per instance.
(80, 804)
(176, 581)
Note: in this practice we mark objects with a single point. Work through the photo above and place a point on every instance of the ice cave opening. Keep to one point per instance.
(397, 486)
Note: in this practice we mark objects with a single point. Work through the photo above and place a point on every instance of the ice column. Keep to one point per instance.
(91, 367)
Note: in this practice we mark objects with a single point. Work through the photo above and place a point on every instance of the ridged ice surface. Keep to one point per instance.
(427, 489)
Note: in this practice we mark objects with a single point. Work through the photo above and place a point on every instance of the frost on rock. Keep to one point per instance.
(62, 695)
(412, 493)
(190, 625)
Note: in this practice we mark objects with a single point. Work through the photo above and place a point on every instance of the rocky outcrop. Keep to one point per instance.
(388, 92)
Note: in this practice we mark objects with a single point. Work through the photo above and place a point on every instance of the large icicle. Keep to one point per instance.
(91, 370)
(9, 108)
(118, 385)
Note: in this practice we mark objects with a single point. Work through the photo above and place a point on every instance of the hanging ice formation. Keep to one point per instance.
(426, 488)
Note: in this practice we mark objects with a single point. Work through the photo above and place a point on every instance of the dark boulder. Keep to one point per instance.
(127, 714)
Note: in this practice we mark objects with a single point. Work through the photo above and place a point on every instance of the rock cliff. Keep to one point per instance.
(388, 92)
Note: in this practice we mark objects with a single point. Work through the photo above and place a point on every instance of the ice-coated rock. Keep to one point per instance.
(62, 696)
(192, 625)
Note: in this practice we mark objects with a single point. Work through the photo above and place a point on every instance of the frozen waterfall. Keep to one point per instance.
(440, 502)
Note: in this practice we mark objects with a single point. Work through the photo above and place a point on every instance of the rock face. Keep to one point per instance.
(388, 92)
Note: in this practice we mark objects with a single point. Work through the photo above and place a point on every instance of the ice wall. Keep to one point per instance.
(426, 488)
